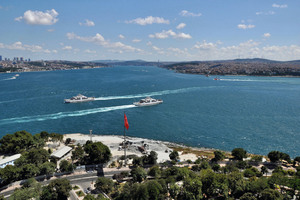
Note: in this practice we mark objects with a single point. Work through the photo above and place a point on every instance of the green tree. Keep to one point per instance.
(239, 153)
(274, 156)
(68, 140)
(216, 167)
(154, 189)
(237, 184)
(258, 185)
(141, 193)
(28, 171)
(137, 161)
(248, 196)
(104, 184)
(252, 172)
(154, 171)
(16, 143)
(78, 153)
(65, 166)
(97, 153)
(270, 194)
(47, 168)
(31, 189)
(264, 169)
(256, 159)
(36, 156)
(45, 135)
(57, 189)
(208, 179)
(152, 158)
(9, 174)
(241, 164)
(219, 155)
(138, 174)
(56, 136)
(193, 188)
(174, 155)
(89, 197)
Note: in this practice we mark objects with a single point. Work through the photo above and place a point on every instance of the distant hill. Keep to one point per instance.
(253, 67)
(131, 62)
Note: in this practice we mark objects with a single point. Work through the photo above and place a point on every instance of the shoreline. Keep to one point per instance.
(162, 148)
(202, 74)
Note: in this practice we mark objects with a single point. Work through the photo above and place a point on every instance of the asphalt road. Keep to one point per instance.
(83, 180)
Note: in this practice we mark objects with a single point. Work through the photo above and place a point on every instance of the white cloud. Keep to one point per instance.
(90, 51)
(148, 20)
(87, 23)
(267, 35)
(245, 26)
(186, 13)
(136, 40)
(183, 36)
(279, 6)
(181, 26)
(67, 48)
(166, 34)
(205, 45)
(39, 18)
(24, 47)
(98, 39)
(121, 36)
(51, 30)
(265, 13)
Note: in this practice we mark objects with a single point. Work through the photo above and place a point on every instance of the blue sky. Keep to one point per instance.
(166, 30)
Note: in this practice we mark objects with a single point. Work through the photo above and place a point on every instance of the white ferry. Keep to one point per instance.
(148, 101)
(79, 98)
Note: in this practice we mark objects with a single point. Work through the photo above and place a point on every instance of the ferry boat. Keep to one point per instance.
(79, 98)
(148, 101)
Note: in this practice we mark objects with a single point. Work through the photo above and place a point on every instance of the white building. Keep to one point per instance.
(61, 152)
(9, 160)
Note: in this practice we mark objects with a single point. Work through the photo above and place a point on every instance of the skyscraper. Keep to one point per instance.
(0, 58)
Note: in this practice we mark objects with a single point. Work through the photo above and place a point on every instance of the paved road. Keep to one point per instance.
(84, 180)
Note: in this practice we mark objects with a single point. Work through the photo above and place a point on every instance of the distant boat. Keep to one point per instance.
(17, 75)
(216, 79)
(207, 75)
(79, 98)
(148, 101)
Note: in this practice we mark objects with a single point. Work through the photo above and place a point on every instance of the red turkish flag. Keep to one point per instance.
(126, 122)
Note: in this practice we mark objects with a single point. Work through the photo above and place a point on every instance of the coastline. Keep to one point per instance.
(162, 148)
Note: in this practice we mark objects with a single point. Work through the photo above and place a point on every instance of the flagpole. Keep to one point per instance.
(124, 144)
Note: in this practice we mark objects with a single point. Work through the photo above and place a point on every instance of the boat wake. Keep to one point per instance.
(60, 115)
(7, 79)
(158, 93)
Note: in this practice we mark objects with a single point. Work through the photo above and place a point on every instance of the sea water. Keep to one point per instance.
(259, 114)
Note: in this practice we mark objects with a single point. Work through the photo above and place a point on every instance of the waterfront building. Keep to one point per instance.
(9, 160)
(61, 152)
(0, 58)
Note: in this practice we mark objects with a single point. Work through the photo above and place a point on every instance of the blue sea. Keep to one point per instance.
(259, 114)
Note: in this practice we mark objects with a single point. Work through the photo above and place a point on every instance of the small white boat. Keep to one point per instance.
(79, 98)
(17, 75)
(148, 101)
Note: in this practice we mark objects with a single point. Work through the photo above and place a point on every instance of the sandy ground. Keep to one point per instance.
(114, 143)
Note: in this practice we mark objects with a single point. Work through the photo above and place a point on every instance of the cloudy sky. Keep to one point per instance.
(166, 30)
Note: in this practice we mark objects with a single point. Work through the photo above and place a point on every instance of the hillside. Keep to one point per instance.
(251, 67)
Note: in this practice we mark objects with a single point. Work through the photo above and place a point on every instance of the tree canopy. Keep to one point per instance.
(97, 153)
(239, 153)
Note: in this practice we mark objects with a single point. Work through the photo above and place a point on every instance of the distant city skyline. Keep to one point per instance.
(169, 30)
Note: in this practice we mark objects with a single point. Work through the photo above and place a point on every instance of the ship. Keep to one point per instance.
(79, 98)
(148, 101)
